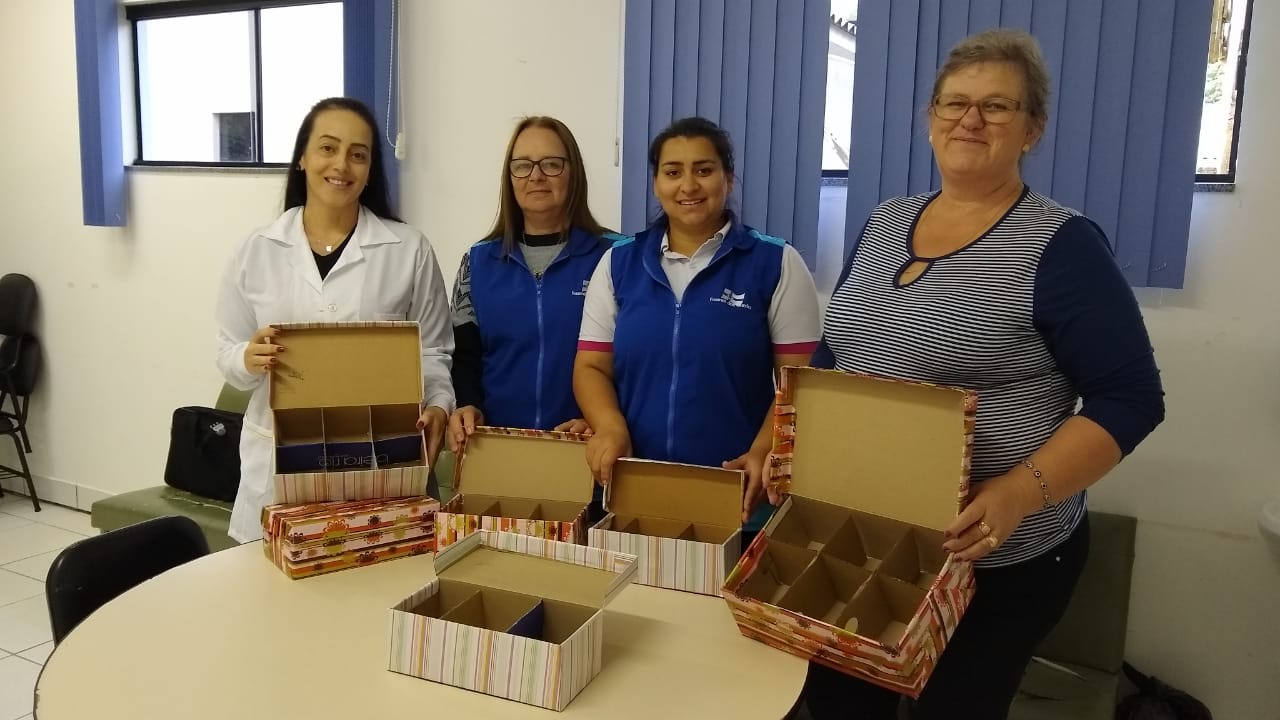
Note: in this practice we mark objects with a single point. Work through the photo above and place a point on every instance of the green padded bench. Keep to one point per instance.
(1089, 640)
(213, 516)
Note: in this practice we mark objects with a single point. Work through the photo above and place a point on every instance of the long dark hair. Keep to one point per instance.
(693, 127)
(510, 223)
(374, 196)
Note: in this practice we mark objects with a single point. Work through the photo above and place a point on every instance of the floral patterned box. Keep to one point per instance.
(305, 540)
(687, 545)
(345, 406)
(529, 482)
(512, 616)
(850, 571)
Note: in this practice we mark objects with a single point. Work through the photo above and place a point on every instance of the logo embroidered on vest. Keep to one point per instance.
(583, 291)
(732, 299)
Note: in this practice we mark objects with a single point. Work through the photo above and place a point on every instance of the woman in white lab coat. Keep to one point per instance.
(338, 253)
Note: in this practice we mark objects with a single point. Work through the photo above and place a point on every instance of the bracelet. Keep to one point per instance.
(1044, 486)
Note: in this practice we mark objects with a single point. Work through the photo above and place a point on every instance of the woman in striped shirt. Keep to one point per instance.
(990, 286)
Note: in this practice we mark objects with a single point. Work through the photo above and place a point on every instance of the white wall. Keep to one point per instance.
(128, 334)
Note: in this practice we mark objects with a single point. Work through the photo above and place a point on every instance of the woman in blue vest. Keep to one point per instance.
(686, 322)
(518, 296)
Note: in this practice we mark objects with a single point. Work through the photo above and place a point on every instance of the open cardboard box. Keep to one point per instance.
(314, 538)
(530, 482)
(682, 522)
(345, 406)
(512, 616)
(850, 571)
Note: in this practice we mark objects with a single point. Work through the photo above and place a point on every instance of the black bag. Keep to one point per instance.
(204, 452)
(1155, 700)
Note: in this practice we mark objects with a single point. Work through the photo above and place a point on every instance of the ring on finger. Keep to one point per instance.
(984, 528)
(992, 542)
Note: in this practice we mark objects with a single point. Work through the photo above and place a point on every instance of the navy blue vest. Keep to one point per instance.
(529, 330)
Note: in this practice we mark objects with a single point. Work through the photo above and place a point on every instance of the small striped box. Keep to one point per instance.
(512, 616)
(531, 482)
(682, 522)
(849, 572)
(345, 405)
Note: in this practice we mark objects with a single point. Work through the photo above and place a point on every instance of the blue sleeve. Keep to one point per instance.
(1091, 322)
(823, 357)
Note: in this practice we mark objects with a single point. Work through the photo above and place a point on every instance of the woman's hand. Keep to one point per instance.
(462, 423)
(433, 422)
(576, 425)
(998, 505)
(260, 354)
(604, 448)
(753, 462)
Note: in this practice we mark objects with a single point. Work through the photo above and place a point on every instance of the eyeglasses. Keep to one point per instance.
(994, 110)
(550, 166)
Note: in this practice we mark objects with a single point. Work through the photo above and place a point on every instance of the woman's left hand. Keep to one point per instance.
(433, 422)
(753, 463)
(998, 505)
(577, 426)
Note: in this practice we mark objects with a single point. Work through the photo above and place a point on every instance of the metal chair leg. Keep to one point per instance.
(26, 471)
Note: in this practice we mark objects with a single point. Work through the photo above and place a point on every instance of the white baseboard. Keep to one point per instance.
(58, 492)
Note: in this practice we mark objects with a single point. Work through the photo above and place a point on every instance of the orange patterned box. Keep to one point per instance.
(529, 482)
(345, 405)
(850, 571)
(304, 540)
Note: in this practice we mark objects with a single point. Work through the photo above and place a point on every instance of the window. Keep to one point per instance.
(227, 83)
(1223, 87)
(838, 119)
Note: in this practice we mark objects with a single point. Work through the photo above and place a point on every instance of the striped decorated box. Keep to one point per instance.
(682, 522)
(531, 482)
(345, 406)
(850, 571)
(512, 616)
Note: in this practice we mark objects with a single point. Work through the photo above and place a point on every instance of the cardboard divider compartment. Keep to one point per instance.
(871, 470)
(780, 566)
(917, 559)
(500, 610)
(653, 527)
(299, 440)
(824, 590)
(344, 401)
(866, 540)
(397, 442)
(348, 443)
(809, 523)
(883, 608)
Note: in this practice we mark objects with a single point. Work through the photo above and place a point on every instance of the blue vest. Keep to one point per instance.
(695, 380)
(529, 330)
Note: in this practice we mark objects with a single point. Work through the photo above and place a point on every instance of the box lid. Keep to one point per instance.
(517, 463)
(888, 447)
(533, 566)
(345, 364)
(672, 491)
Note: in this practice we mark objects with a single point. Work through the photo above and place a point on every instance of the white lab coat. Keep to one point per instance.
(387, 272)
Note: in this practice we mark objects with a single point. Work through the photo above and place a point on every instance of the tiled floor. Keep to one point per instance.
(29, 541)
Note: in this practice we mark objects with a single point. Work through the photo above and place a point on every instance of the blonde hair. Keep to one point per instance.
(1006, 45)
(510, 223)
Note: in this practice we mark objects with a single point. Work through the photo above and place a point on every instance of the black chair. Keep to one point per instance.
(20, 362)
(92, 572)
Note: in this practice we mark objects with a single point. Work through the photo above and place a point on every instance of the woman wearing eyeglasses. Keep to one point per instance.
(989, 285)
(517, 299)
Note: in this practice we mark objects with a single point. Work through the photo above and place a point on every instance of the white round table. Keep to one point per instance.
(229, 636)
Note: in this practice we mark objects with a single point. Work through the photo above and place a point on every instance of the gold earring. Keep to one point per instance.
(1026, 148)
(930, 139)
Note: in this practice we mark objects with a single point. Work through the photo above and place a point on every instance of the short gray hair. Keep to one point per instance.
(1016, 47)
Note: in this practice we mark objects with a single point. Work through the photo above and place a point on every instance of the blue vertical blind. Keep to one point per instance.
(371, 70)
(102, 184)
(1124, 117)
(759, 70)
